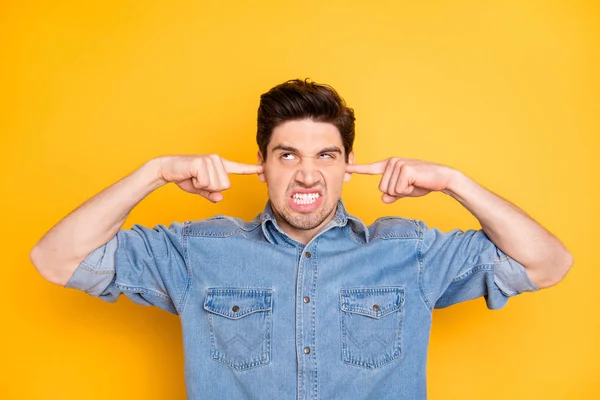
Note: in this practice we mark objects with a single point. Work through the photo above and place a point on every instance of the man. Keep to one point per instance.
(305, 301)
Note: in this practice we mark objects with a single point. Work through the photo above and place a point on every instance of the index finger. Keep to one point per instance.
(232, 167)
(376, 168)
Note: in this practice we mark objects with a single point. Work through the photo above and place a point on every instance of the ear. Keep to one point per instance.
(350, 161)
(260, 161)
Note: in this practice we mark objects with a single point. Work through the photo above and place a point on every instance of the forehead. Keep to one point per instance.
(306, 135)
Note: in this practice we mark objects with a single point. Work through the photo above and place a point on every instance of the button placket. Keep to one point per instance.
(306, 314)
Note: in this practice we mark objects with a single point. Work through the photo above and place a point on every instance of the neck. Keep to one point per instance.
(302, 235)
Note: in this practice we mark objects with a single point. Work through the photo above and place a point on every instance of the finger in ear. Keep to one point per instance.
(260, 161)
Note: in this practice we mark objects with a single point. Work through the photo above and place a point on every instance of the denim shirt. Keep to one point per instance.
(346, 316)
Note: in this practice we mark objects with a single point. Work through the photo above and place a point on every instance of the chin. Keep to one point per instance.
(307, 220)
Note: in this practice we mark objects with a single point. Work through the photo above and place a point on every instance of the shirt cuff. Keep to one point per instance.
(97, 271)
(511, 276)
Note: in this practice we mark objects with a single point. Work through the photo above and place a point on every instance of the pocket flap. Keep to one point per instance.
(237, 303)
(372, 302)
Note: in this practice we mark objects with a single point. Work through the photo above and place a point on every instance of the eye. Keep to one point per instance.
(287, 156)
(327, 156)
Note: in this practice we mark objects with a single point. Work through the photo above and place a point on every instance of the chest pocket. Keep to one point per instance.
(240, 326)
(371, 325)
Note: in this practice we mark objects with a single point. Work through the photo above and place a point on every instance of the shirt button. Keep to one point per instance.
(235, 309)
(306, 299)
(307, 254)
(307, 350)
(375, 307)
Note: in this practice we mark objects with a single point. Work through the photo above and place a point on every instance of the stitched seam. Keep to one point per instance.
(315, 262)
(386, 308)
(421, 274)
(141, 290)
(91, 269)
(376, 290)
(414, 223)
(355, 359)
(250, 228)
(245, 292)
(239, 315)
(298, 320)
(220, 355)
(183, 243)
(395, 236)
(239, 227)
(237, 221)
(393, 217)
(213, 233)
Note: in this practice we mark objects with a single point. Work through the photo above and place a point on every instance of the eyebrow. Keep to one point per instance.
(332, 149)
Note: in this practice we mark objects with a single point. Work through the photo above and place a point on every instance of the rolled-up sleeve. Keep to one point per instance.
(459, 266)
(147, 265)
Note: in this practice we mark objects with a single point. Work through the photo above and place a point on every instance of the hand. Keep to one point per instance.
(404, 177)
(206, 175)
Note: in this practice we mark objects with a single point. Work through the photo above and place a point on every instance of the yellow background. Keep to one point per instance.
(505, 91)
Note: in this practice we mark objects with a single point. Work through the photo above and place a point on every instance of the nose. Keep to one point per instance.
(307, 173)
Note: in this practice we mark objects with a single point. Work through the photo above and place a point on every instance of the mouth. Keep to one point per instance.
(305, 198)
(305, 201)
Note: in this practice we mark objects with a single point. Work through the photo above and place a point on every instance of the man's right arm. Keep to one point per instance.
(95, 222)
(60, 251)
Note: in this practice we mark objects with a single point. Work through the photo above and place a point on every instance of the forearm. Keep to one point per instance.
(94, 223)
(513, 231)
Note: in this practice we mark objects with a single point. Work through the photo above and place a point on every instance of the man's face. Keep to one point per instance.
(304, 171)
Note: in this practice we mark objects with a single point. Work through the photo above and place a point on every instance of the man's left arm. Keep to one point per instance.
(544, 257)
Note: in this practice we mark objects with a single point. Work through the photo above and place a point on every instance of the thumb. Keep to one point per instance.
(388, 199)
(215, 197)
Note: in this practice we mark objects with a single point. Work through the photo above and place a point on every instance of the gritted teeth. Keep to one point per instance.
(306, 195)
(305, 198)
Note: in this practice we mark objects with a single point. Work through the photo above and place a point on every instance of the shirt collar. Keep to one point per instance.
(341, 219)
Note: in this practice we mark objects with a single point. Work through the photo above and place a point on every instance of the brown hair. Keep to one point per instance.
(297, 99)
